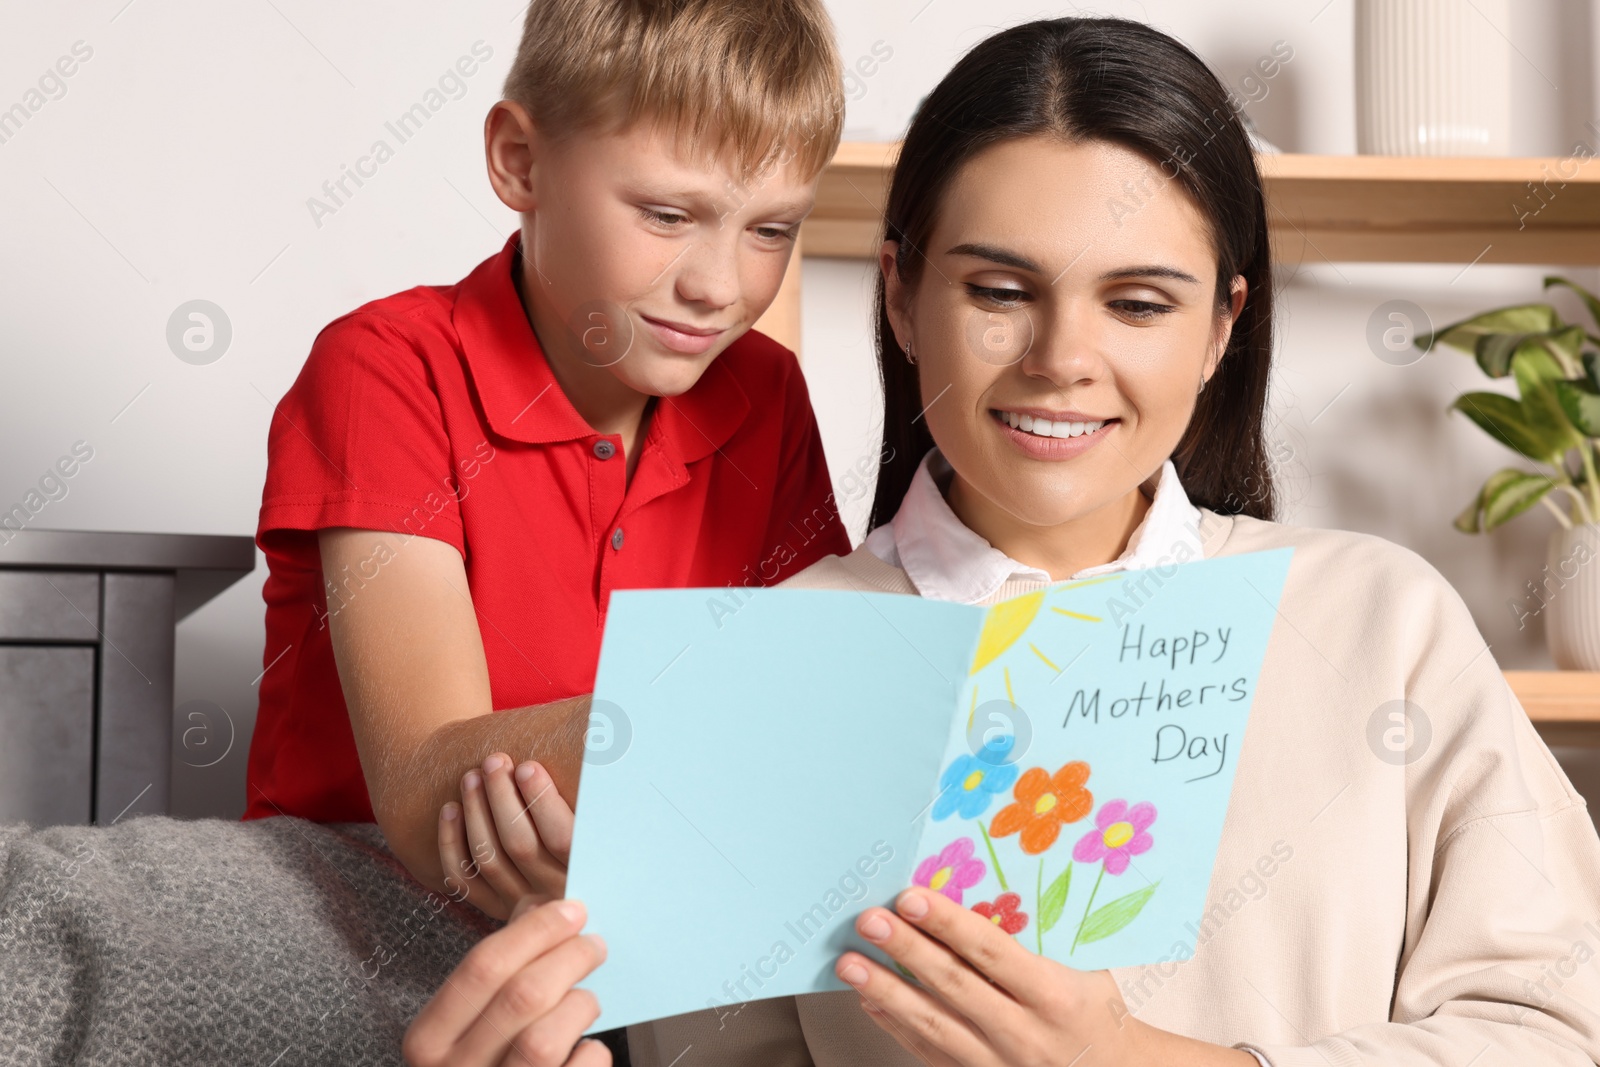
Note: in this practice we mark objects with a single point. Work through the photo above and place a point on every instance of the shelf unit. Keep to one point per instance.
(1391, 209)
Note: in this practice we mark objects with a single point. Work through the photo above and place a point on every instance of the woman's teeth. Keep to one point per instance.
(1046, 428)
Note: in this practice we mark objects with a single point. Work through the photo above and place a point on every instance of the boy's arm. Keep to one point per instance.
(416, 683)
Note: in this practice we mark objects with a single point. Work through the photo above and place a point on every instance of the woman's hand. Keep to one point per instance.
(511, 999)
(985, 1001)
(508, 838)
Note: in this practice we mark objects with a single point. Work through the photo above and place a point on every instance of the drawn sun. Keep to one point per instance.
(1009, 620)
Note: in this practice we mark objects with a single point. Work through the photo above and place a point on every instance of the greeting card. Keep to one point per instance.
(762, 765)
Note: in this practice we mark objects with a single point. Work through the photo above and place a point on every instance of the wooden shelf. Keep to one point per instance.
(1558, 696)
(1396, 209)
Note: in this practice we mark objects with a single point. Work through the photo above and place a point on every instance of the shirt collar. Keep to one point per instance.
(947, 561)
(520, 396)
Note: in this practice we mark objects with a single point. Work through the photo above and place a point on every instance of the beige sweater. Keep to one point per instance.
(1439, 906)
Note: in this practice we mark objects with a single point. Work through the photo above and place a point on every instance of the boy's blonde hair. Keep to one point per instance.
(755, 82)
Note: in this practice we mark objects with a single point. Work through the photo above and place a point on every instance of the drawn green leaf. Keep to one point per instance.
(1053, 900)
(1107, 920)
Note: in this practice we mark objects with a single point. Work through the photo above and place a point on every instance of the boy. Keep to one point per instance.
(586, 411)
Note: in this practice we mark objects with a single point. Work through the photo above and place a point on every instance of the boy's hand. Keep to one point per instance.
(509, 837)
(511, 999)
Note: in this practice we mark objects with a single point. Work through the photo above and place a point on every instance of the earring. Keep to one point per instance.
(909, 357)
(1202, 386)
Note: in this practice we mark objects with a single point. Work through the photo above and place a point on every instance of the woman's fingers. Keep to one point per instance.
(435, 1036)
(495, 866)
(984, 950)
(549, 1041)
(905, 1040)
(461, 878)
(551, 815)
(539, 998)
(919, 1021)
(950, 977)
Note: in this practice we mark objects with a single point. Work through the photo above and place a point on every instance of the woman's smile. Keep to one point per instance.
(1051, 435)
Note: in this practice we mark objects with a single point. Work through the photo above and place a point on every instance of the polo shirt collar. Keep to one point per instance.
(946, 560)
(520, 395)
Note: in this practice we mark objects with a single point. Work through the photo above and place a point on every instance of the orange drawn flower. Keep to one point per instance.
(1045, 802)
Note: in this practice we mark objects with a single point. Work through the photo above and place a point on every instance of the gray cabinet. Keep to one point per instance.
(47, 734)
(86, 645)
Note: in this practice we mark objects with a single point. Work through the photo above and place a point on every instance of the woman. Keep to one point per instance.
(1074, 330)
(1076, 235)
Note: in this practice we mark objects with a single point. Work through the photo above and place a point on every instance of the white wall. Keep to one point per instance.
(178, 162)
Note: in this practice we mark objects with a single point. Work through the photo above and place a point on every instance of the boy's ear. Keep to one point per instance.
(509, 145)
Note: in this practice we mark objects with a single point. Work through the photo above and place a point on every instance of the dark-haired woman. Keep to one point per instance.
(1075, 331)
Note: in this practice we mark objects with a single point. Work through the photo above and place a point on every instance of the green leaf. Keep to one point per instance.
(1468, 334)
(1468, 520)
(1107, 920)
(1471, 518)
(1512, 497)
(1053, 900)
(1506, 421)
(1580, 401)
(1566, 343)
(1537, 371)
(1591, 368)
(1588, 297)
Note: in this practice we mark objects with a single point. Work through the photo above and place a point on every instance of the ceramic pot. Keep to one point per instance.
(1433, 78)
(1571, 592)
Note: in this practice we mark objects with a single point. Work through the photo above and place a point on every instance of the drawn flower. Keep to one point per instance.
(970, 783)
(1119, 835)
(952, 870)
(1043, 804)
(1003, 912)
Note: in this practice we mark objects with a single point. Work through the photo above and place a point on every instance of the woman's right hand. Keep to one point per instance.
(511, 999)
(508, 838)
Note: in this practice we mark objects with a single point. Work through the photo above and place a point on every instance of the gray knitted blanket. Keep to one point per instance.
(269, 943)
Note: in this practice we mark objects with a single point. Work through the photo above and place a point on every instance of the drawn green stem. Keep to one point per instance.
(1038, 907)
(1086, 908)
(993, 858)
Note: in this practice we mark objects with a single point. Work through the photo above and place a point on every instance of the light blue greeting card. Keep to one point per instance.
(765, 764)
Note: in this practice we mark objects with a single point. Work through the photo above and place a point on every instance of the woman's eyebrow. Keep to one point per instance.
(1007, 258)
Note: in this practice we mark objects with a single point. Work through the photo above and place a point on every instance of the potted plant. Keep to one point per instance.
(1555, 422)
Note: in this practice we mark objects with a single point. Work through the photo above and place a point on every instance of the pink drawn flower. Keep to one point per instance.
(952, 870)
(1119, 835)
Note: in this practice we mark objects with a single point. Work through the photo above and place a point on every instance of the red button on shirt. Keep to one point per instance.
(433, 412)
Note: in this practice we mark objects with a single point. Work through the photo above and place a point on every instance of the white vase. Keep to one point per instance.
(1570, 589)
(1433, 78)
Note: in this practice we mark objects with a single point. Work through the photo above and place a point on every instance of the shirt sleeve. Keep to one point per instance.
(805, 525)
(1501, 958)
(359, 440)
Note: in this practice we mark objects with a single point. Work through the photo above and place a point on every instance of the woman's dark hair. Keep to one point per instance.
(1121, 82)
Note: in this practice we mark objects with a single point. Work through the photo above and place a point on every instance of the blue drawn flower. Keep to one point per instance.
(971, 782)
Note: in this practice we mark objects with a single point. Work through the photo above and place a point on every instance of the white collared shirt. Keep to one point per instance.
(947, 561)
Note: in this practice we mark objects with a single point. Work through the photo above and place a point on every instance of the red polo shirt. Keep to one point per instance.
(433, 412)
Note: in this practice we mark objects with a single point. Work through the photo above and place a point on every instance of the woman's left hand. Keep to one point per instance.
(986, 1001)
